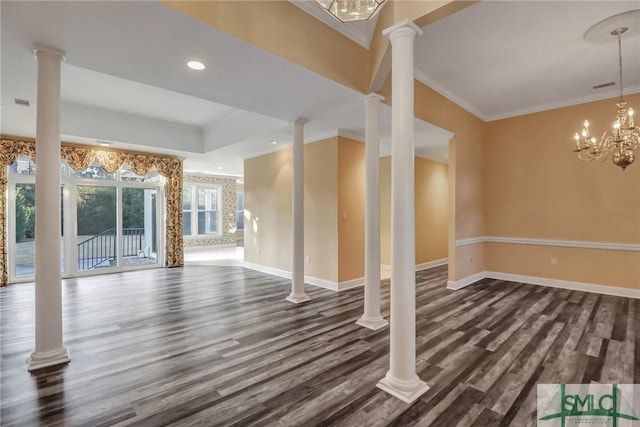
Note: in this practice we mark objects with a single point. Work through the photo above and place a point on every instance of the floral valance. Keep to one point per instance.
(79, 158)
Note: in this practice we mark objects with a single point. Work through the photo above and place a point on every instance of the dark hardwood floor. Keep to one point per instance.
(220, 346)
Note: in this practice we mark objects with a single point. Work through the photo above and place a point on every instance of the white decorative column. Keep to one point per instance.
(297, 266)
(49, 347)
(372, 318)
(401, 380)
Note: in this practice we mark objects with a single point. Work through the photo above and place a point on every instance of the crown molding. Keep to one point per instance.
(566, 103)
(428, 81)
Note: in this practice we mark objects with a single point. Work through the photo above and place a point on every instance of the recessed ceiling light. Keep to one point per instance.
(196, 65)
(219, 168)
(104, 143)
(274, 142)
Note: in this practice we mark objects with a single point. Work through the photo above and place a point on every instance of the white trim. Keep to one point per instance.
(385, 271)
(549, 242)
(321, 283)
(470, 241)
(309, 280)
(431, 83)
(336, 286)
(542, 281)
(564, 103)
(566, 284)
(350, 284)
(431, 264)
(463, 283)
(269, 270)
(565, 243)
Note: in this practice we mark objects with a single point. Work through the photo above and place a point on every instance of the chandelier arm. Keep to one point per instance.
(622, 139)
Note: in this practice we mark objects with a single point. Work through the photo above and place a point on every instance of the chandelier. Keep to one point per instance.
(352, 10)
(622, 139)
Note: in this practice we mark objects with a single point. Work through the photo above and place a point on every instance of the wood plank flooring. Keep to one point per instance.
(216, 346)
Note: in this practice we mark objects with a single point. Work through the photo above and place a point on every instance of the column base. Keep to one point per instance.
(407, 392)
(297, 299)
(48, 358)
(373, 324)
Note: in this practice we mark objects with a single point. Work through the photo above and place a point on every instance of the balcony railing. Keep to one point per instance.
(100, 250)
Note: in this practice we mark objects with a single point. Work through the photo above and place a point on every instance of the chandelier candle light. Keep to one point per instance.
(352, 10)
(623, 138)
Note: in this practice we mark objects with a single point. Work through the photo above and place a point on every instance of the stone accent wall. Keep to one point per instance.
(228, 213)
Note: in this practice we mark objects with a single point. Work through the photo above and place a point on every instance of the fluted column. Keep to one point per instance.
(372, 318)
(48, 282)
(297, 266)
(401, 380)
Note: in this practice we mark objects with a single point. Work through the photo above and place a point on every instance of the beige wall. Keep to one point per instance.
(268, 189)
(535, 187)
(351, 190)
(431, 210)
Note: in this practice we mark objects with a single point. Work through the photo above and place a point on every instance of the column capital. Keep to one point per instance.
(52, 54)
(404, 27)
(373, 97)
(300, 121)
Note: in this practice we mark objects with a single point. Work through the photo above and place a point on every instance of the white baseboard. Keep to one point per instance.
(269, 270)
(385, 271)
(311, 280)
(336, 286)
(463, 283)
(542, 281)
(349, 284)
(431, 264)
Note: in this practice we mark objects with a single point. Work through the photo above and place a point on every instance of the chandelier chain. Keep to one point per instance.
(620, 61)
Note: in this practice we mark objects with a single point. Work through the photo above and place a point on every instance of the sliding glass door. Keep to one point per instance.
(139, 226)
(110, 222)
(96, 233)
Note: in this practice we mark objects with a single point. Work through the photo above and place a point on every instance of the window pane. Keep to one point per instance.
(240, 221)
(207, 199)
(94, 171)
(126, 174)
(240, 211)
(207, 222)
(186, 223)
(23, 166)
(186, 198)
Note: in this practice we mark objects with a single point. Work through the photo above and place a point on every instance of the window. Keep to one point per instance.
(207, 211)
(95, 171)
(24, 166)
(240, 211)
(186, 210)
(204, 218)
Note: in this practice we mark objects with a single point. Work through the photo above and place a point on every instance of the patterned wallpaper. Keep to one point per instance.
(228, 186)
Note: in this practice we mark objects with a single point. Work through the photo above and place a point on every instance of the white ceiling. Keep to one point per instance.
(506, 58)
(125, 78)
